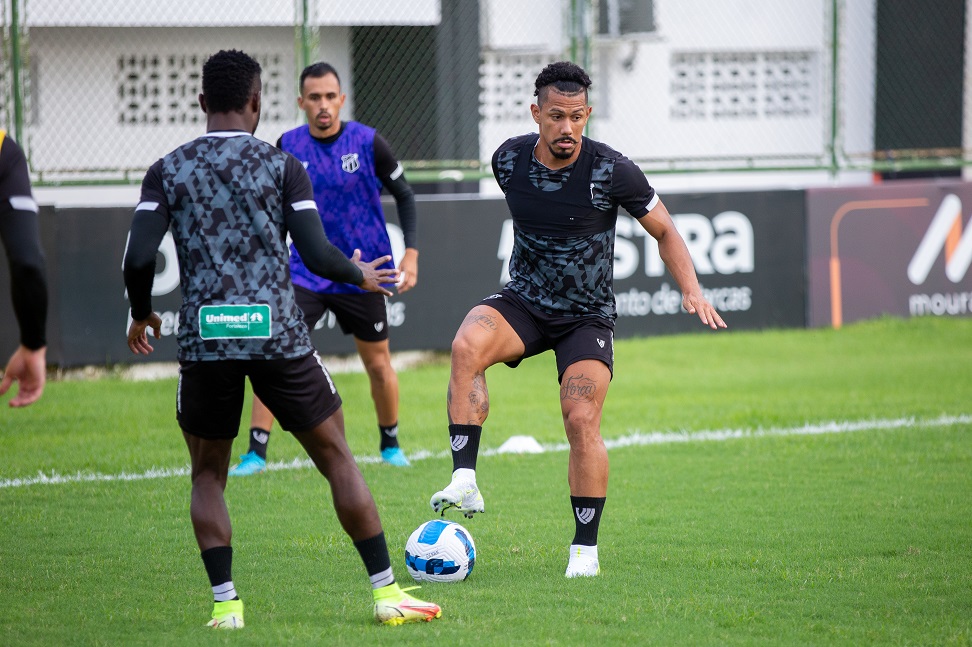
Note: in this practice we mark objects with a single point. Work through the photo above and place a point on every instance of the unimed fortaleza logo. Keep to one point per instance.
(236, 321)
(944, 234)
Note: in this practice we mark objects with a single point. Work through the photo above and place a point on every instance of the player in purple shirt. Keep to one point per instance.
(349, 164)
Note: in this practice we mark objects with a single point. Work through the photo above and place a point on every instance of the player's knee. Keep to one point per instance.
(464, 350)
(379, 370)
(583, 424)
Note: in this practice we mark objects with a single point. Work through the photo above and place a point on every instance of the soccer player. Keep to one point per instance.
(20, 233)
(348, 164)
(230, 201)
(563, 191)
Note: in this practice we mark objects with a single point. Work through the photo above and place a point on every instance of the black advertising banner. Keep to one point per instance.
(748, 248)
(749, 254)
(90, 326)
(902, 249)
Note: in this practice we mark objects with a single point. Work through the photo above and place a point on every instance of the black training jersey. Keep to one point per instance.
(225, 196)
(564, 220)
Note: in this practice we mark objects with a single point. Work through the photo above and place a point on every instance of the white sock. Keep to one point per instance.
(577, 550)
(381, 579)
(225, 591)
(464, 474)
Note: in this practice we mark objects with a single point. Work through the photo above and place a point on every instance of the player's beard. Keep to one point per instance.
(560, 153)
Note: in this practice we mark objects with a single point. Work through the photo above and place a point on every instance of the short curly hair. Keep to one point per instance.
(228, 80)
(566, 77)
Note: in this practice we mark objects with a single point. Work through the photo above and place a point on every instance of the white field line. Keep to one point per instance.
(635, 437)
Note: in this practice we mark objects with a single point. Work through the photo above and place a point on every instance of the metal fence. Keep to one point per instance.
(96, 91)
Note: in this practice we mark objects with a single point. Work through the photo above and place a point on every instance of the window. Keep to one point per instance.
(743, 85)
(163, 89)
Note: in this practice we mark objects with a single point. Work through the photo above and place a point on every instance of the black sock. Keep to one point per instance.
(389, 436)
(219, 565)
(587, 518)
(465, 445)
(374, 554)
(258, 441)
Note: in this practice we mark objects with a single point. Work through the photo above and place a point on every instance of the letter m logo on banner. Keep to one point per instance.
(944, 233)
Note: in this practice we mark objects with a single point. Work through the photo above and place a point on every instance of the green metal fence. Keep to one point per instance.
(96, 91)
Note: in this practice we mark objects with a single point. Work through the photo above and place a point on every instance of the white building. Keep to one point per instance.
(690, 83)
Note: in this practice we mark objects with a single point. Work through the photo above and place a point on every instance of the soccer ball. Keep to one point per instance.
(440, 551)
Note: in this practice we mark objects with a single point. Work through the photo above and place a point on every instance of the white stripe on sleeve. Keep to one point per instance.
(397, 173)
(654, 202)
(23, 203)
(304, 204)
(147, 206)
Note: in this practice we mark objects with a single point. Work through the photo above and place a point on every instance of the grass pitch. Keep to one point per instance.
(783, 487)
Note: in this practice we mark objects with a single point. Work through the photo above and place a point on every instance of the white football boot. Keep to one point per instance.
(462, 493)
(583, 562)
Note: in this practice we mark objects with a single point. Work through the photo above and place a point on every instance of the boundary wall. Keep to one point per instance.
(766, 259)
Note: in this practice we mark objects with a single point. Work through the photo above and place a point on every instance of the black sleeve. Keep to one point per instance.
(631, 189)
(385, 162)
(317, 252)
(149, 224)
(305, 227)
(392, 177)
(502, 164)
(20, 234)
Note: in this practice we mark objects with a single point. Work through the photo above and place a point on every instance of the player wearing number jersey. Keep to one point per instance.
(230, 201)
(563, 191)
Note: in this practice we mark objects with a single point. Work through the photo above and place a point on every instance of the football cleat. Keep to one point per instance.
(583, 564)
(394, 456)
(463, 495)
(250, 463)
(393, 606)
(227, 615)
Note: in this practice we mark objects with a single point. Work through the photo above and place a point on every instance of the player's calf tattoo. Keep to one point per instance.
(449, 404)
(479, 399)
(578, 388)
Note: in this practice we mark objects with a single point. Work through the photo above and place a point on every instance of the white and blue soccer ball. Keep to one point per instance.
(440, 551)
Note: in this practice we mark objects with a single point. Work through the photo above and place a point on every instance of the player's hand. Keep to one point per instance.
(374, 278)
(409, 271)
(697, 304)
(138, 338)
(29, 368)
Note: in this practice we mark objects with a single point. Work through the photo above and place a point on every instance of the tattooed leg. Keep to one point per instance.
(484, 338)
(582, 391)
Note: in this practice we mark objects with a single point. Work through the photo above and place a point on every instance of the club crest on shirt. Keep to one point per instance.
(349, 163)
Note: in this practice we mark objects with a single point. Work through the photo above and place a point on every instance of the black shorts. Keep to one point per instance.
(299, 393)
(363, 315)
(571, 338)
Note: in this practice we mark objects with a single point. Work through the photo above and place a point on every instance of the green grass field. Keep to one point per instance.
(830, 504)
